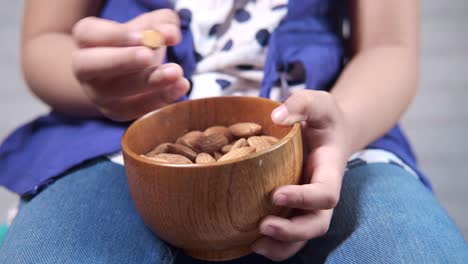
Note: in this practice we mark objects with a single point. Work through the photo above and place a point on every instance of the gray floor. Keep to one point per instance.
(437, 122)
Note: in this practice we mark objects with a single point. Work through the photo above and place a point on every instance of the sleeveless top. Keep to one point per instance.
(306, 37)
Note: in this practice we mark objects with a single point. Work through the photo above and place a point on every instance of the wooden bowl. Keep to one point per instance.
(210, 211)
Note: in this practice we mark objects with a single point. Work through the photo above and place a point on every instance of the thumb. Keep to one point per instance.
(316, 108)
(165, 21)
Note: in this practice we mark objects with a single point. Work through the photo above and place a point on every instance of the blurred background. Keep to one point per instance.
(437, 122)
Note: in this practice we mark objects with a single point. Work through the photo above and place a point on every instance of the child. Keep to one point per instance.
(92, 70)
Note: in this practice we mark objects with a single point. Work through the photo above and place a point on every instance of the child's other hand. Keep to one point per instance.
(123, 78)
(324, 134)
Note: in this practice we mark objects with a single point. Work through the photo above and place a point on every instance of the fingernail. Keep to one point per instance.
(280, 199)
(268, 230)
(279, 114)
(179, 92)
(170, 71)
(144, 56)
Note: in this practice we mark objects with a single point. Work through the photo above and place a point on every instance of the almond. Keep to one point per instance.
(153, 39)
(204, 158)
(241, 142)
(259, 143)
(273, 140)
(161, 148)
(246, 129)
(171, 158)
(182, 150)
(218, 130)
(226, 148)
(212, 143)
(237, 153)
(191, 140)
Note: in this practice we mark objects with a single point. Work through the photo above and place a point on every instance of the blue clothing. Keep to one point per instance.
(50, 145)
(39, 152)
(384, 216)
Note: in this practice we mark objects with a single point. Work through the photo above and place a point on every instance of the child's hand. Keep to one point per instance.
(123, 78)
(324, 134)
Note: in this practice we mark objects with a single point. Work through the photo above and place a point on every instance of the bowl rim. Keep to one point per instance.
(126, 149)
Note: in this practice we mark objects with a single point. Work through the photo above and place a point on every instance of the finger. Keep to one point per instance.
(166, 73)
(176, 90)
(144, 81)
(160, 16)
(95, 32)
(276, 250)
(323, 191)
(165, 21)
(130, 108)
(299, 228)
(106, 62)
(314, 107)
(307, 197)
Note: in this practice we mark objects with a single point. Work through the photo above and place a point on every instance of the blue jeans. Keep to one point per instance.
(385, 215)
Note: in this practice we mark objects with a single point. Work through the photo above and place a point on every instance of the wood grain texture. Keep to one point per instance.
(212, 211)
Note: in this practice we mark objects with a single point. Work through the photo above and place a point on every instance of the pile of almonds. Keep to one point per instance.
(216, 143)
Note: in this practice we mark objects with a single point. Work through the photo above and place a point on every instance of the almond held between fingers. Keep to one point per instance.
(191, 140)
(218, 130)
(237, 153)
(181, 150)
(212, 143)
(153, 39)
(161, 148)
(246, 129)
(171, 158)
(259, 143)
(240, 143)
(204, 158)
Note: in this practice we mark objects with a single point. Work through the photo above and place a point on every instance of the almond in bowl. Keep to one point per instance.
(235, 141)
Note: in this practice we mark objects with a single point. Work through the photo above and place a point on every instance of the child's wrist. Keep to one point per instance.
(349, 146)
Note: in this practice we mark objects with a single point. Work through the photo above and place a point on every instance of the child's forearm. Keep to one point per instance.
(47, 69)
(380, 81)
(374, 90)
(47, 48)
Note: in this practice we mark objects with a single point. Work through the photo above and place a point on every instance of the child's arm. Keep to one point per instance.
(370, 96)
(47, 47)
(89, 66)
(381, 80)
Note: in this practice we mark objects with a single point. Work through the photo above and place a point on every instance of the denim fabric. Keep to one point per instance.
(385, 215)
(84, 217)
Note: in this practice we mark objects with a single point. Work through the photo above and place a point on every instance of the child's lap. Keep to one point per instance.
(384, 215)
(84, 217)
